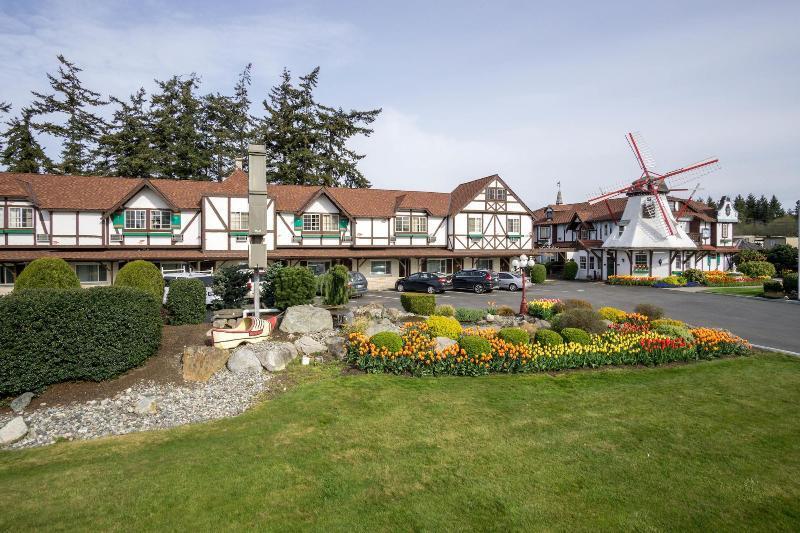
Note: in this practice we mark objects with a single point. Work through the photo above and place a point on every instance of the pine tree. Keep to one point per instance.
(178, 132)
(126, 148)
(762, 209)
(739, 205)
(22, 152)
(711, 203)
(750, 208)
(775, 209)
(82, 128)
(5, 107)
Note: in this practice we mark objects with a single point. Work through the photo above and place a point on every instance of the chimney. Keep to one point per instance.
(559, 199)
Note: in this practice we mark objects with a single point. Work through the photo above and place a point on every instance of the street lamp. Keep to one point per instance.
(521, 264)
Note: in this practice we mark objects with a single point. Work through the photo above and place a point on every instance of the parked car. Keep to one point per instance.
(205, 276)
(510, 281)
(358, 284)
(422, 282)
(475, 280)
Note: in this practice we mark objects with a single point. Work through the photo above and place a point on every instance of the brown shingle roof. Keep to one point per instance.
(464, 193)
(563, 213)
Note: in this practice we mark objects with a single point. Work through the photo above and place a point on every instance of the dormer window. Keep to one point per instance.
(160, 220)
(320, 222)
(548, 213)
(135, 219)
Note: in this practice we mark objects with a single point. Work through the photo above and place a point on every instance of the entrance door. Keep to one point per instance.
(611, 264)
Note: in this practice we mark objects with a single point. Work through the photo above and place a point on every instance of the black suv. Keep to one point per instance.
(475, 280)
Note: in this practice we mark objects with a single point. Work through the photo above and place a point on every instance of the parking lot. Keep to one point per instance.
(769, 323)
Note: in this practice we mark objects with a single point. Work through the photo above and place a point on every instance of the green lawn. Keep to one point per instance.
(711, 445)
(757, 290)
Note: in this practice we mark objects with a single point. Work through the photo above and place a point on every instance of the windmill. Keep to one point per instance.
(647, 212)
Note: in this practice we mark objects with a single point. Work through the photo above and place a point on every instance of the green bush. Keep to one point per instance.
(694, 275)
(47, 273)
(790, 282)
(783, 256)
(230, 285)
(570, 303)
(576, 335)
(773, 285)
(570, 269)
(142, 275)
(268, 284)
(613, 314)
(337, 291)
(747, 255)
(387, 339)
(548, 337)
(444, 326)
(186, 301)
(666, 322)
(445, 310)
(538, 273)
(294, 286)
(505, 310)
(514, 335)
(671, 330)
(757, 269)
(419, 304)
(467, 314)
(53, 335)
(475, 346)
(652, 312)
(675, 281)
(584, 319)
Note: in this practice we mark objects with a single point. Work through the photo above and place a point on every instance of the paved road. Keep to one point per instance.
(773, 323)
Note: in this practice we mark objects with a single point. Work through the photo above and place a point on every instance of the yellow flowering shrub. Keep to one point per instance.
(444, 326)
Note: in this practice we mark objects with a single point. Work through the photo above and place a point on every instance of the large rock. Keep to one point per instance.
(378, 327)
(443, 342)
(342, 317)
(244, 359)
(309, 345)
(542, 324)
(274, 356)
(146, 405)
(22, 401)
(13, 431)
(306, 319)
(373, 310)
(336, 347)
(202, 362)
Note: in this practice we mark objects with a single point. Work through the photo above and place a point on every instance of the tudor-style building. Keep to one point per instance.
(99, 223)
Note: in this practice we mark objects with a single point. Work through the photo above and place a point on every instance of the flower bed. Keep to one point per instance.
(712, 278)
(639, 346)
(716, 278)
(644, 281)
(542, 308)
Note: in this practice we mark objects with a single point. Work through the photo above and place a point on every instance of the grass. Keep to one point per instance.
(712, 445)
(757, 290)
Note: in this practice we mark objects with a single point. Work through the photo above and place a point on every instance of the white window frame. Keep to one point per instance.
(471, 220)
(16, 217)
(386, 269)
(591, 262)
(8, 276)
(582, 262)
(312, 222)
(136, 218)
(402, 224)
(645, 264)
(157, 219)
(544, 232)
(496, 194)
(2, 217)
(419, 224)
(240, 220)
(515, 225)
(98, 269)
(329, 223)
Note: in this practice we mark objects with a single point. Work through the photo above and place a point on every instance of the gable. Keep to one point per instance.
(146, 198)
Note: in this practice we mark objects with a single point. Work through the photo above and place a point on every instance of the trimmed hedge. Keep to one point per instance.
(142, 275)
(757, 269)
(475, 346)
(666, 322)
(294, 286)
(514, 335)
(570, 269)
(548, 337)
(186, 301)
(576, 335)
(571, 303)
(584, 319)
(773, 285)
(538, 273)
(790, 282)
(387, 339)
(47, 273)
(419, 304)
(468, 314)
(676, 332)
(53, 335)
(444, 326)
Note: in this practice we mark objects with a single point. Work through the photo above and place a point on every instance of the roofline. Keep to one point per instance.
(135, 190)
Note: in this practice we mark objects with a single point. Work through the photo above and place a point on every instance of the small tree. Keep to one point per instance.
(783, 256)
(230, 284)
(186, 301)
(570, 269)
(268, 284)
(538, 273)
(748, 254)
(47, 273)
(142, 275)
(336, 291)
(294, 286)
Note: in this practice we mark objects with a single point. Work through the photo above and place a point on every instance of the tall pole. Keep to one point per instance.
(523, 304)
(257, 209)
(797, 212)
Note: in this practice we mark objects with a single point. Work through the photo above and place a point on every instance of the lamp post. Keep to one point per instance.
(522, 263)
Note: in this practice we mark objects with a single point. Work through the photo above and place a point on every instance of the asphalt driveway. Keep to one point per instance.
(770, 323)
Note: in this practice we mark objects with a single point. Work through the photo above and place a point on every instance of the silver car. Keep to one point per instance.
(510, 281)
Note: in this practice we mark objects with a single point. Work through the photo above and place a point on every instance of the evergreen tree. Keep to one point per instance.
(22, 152)
(739, 205)
(306, 141)
(711, 203)
(762, 209)
(82, 128)
(5, 107)
(750, 208)
(178, 132)
(775, 209)
(126, 149)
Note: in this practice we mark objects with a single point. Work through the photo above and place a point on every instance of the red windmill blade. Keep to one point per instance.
(641, 150)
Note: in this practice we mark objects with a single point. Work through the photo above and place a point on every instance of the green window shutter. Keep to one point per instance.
(118, 219)
(298, 222)
(343, 223)
(176, 220)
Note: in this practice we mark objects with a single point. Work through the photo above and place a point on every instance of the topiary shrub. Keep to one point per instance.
(47, 273)
(584, 319)
(387, 339)
(186, 301)
(613, 314)
(570, 269)
(757, 269)
(444, 326)
(676, 332)
(773, 287)
(666, 322)
(790, 282)
(467, 314)
(514, 335)
(336, 290)
(548, 337)
(53, 335)
(445, 310)
(294, 286)
(576, 335)
(142, 275)
(538, 273)
(474, 345)
(230, 285)
(505, 310)
(419, 304)
(652, 312)
(694, 275)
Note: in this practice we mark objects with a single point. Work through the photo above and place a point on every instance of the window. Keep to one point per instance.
(311, 222)
(678, 262)
(544, 232)
(91, 273)
(591, 262)
(160, 219)
(382, 268)
(582, 262)
(240, 220)
(318, 267)
(6, 275)
(419, 224)
(135, 219)
(474, 226)
(330, 223)
(2, 216)
(496, 194)
(483, 264)
(584, 234)
(724, 231)
(514, 225)
(402, 224)
(548, 213)
(621, 230)
(20, 217)
(640, 261)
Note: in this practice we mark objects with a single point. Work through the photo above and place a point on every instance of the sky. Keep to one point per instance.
(537, 92)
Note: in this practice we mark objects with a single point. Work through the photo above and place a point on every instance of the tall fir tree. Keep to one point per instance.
(306, 141)
(711, 203)
(5, 107)
(762, 209)
(750, 208)
(775, 209)
(81, 128)
(21, 151)
(739, 205)
(126, 147)
(178, 133)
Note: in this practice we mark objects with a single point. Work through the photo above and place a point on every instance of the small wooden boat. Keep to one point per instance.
(250, 330)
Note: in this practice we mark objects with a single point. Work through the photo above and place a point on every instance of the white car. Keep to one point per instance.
(206, 276)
